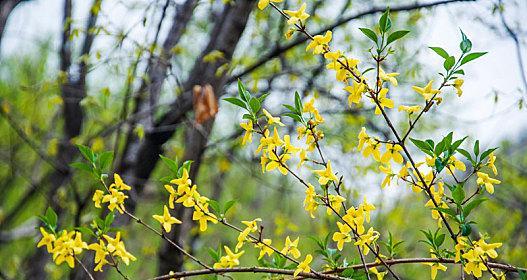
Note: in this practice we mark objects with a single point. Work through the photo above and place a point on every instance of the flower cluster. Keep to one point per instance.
(114, 196)
(63, 246)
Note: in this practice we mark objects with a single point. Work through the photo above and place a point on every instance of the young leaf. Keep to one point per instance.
(51, 218)
(449, 62)
(440, 51)
(396, 36)
(255, 105)
(385, 22)
(423, 146)
(471, 205)
(476, 148)
(486, 153)
(298, 102)
(369, 33)
(235, 101)
(458, 194)
(472, 56)
(171, 164)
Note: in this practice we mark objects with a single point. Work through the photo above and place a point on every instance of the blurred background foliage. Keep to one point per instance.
(129, 39)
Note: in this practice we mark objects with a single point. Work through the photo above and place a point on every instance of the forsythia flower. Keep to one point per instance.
(410, 109)
(310, 204)
(65, 247)
(434, 267)
(335, 201)
(457, 85)
(383, 101)
(380, 275)
(290, 247)
(297, 16)
(304, 266)
(230, 260)
(47, 239)
(392, 153)
(97, 198)
(100, 254)
(427, 92)
(366, 239)
(248, 136)
(319, 43)
(252, 226)
(326, 174)
(272, 120)
(342, 236)
(355, 218)
(388, 77)
(203, 218)
(115, 200)
(166, 220)
(262, 4)
(485, 180)
(117, 249)
(490, 163)
(119, 184)
(264, 248)
(355, 90)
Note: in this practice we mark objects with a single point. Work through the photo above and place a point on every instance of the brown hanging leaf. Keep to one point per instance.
(205, 103)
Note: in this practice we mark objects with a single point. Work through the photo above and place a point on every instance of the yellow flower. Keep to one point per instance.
(392, 153)
(489, 249)
(115, 199)
(427, 92)
(320, 43)
(203, 218)
(272, 120)
(355, 218)
(389, 174)
(47, 239)
(380, 275)
(97, 198)
(65, 247)
(365, 239)
(100, 254)
(355, 90)
(297, 16)
(278, 162)
(490, 163)
(335, 201)
(166, 220)
(485, 180)
(457, 85)
(116, 248)
(119, 184)
(456, 164)
(182, 182)
(434, 268)
(383, 101)
(326, 174)
(366, 208)
(173, 195)
(290, 247)
(248, 136)
(304, 265)
(388, 77)
(262, 4)
(342, 236)
(187, 198)
(310, 204)
(410, 109)
(230, 260)
(264, 248)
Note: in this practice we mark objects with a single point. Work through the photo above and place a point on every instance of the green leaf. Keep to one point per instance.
(471, 205)
(170, 163)
(440, 51)
(447, 211)
(466, 229)
(458, 194)
(248, 117)
(486, 153)
(228, 205)
(465, 153)
(290, 108)
(263, 97)
(423, 146)
(87, 153)
(82, 166)
(86, 231)
(105, 159)
(108, 220)
(242, 90)
(457, 143)
(460, 72)
(235, 101)
(472, 56)
(476, 148)
(52, 218)
(255, 105)
(449, 62)
(293, 116)
(439, 239)
(215, 206)
(298, 102)
(439, 165)
(369, 33)
(385, 22)
(396, 36)
(348, 272)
